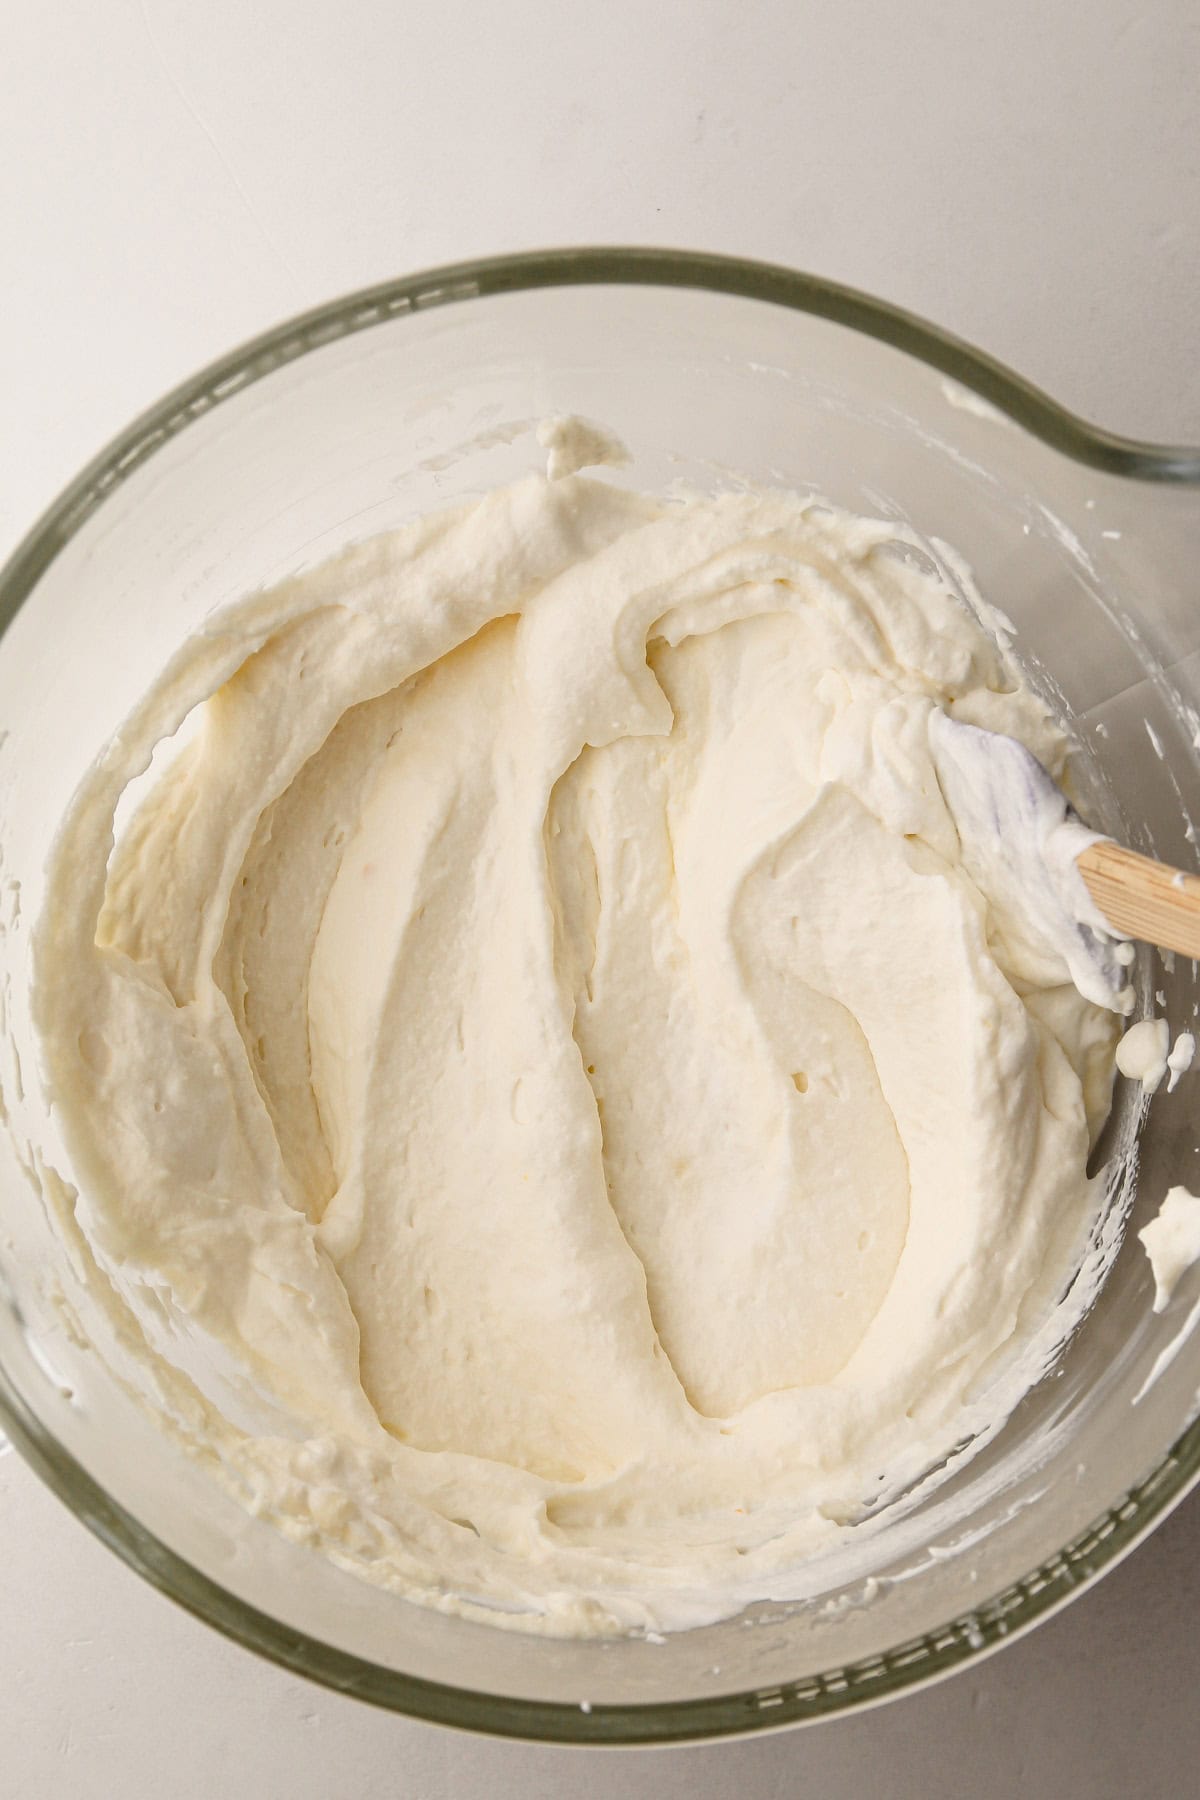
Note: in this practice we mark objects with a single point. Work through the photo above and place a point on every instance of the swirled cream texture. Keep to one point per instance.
(539, 1034)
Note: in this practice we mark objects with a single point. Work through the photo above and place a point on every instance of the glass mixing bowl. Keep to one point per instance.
(350, 420)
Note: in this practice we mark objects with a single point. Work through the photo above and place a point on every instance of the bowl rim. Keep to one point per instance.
(906, 1666)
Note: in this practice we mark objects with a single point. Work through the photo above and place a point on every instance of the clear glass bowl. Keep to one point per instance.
(347, 422)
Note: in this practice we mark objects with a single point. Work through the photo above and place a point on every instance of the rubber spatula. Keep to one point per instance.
(1086, 892)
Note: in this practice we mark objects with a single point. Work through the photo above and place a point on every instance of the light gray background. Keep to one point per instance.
(174, 176)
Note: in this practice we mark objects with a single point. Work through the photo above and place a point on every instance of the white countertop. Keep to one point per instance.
(175, 177)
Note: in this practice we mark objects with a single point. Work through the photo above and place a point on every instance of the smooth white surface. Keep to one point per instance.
(175, 177)
(111, 1690)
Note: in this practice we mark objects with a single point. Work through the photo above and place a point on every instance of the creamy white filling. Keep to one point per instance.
(1180, 1060)
(1172, 1242)
(1142, 1053)
(542, 1032)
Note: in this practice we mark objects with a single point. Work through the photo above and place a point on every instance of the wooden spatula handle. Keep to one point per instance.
(1143, 898)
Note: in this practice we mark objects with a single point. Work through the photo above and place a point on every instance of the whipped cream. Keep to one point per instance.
(1142, 1053)
(540, 1034)
(1180, 1060)
(1172, 1242)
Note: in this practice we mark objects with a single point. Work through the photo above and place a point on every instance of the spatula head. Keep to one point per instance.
(1020, 838)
